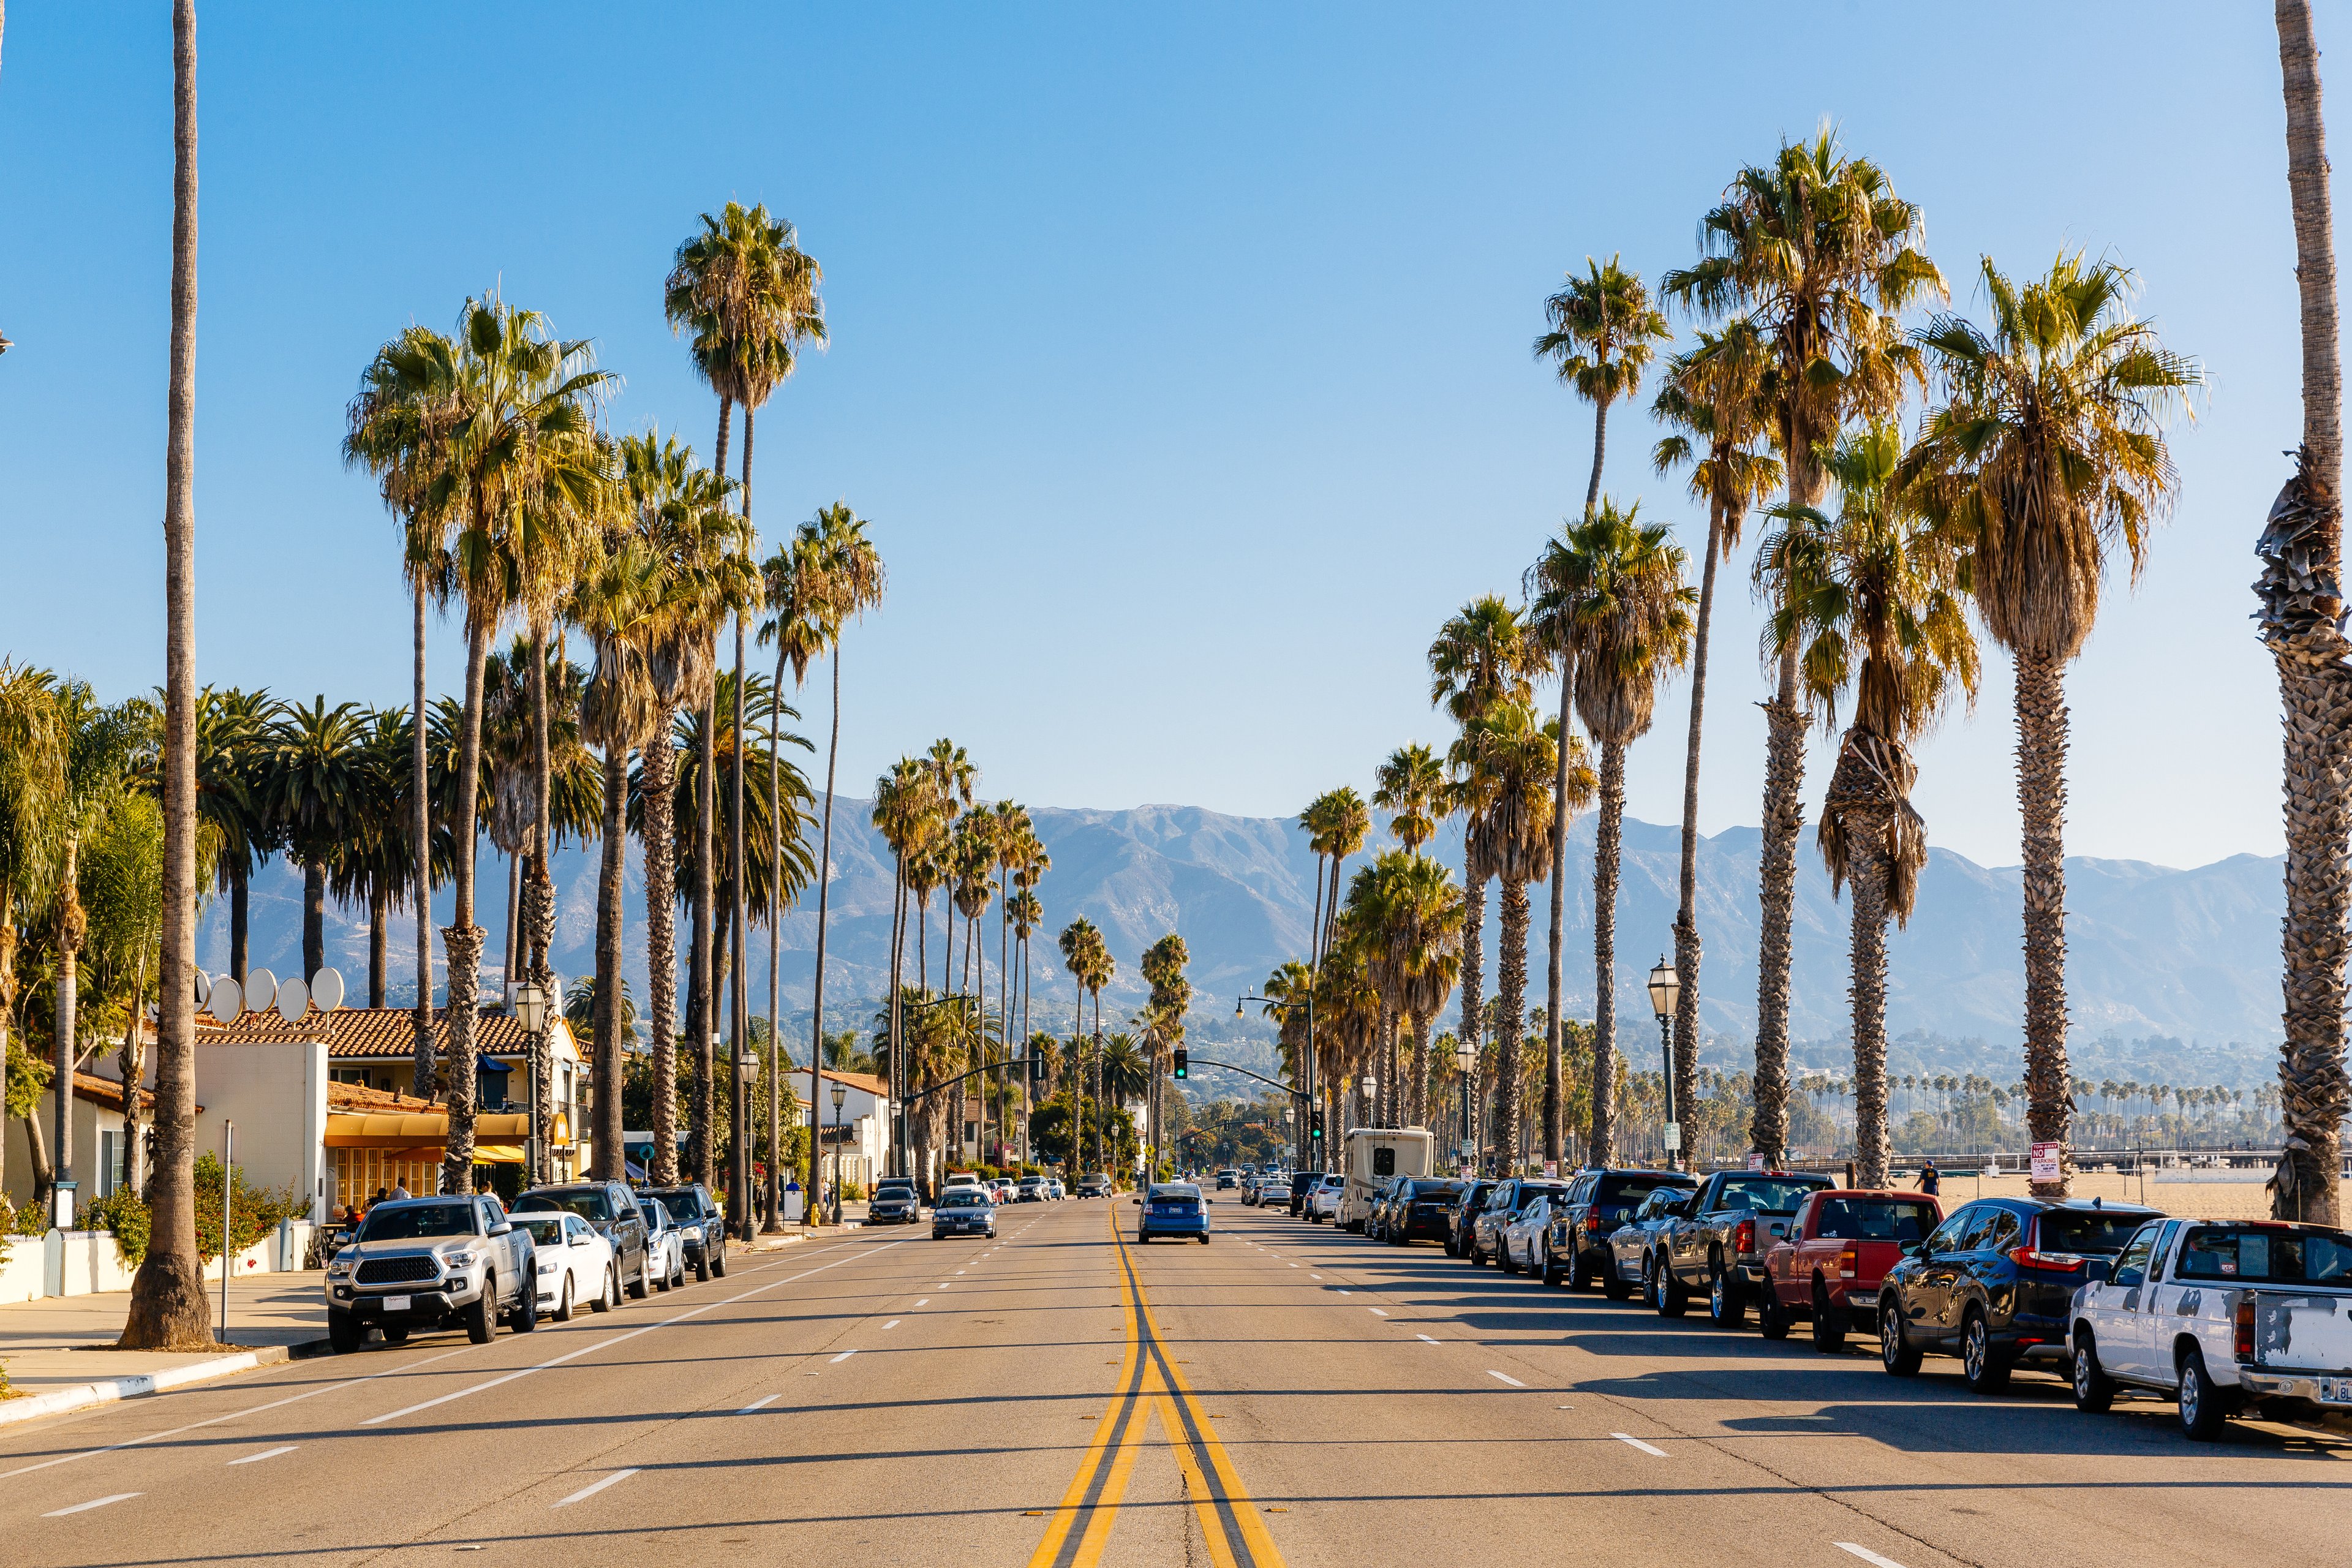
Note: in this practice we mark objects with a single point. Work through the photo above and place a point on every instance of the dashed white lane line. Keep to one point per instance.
(1507, 1377)
(1425, 1339)
(1636, 1442)
(843, 1357)
(1293, 1266)
(94, 1502)
(764, 1400)
(924, 1302)
(1378, 1313)
(893, 1323)
(1867, 1555)
(1315, 1276)
(267, 1453)
(595, 1487)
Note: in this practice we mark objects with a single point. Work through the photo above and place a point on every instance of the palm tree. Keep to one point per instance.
(232, 738)
(1821, 257)
(1603, 334)
(1410, 787)
(1871, 599)
(2301, 551)
(167, 1301)
(1506, 764)
(1615, 586)
(1715, 397)
(1164, 966)
(2047, 453)
(369, 860)
(313, 788)
(32, 775)
(1414, 922)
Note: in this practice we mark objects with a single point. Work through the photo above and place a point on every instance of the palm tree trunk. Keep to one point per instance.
(71, 925)
(605, 1058)
(539, 910)
(2041, 803)
(1600, 448)
(132, 1063)
(738, 1000)
(702, 1009)
(509, 969)
(658, 837)
(1869, 957)
(377, 957)
(1473, 955)
(1553, 1132)
(314, 920)
(1784, 819)
(1607, 844)
(461, 940)
(773, 1222)
(240, 910)
(167, 1301)
(423, 1076)
(1421, 1020)
(1686, 941)
(1512, 987)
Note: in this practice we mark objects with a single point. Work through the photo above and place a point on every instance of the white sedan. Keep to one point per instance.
(575, 1264)
(665, 1246)
(1323, 1202)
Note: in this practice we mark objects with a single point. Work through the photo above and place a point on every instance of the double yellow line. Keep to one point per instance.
(1151, 1388)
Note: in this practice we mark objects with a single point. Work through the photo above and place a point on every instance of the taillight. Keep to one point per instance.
(1744, 1238)
(2027, 1258)
(2244, 1345)
(1847, 1261)
(1593, 1223)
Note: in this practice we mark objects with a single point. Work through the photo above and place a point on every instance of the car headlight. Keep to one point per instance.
(550, 1266)
(457, 1259)
(339, 1269)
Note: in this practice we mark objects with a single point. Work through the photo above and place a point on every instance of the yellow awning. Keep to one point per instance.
(497, 1135)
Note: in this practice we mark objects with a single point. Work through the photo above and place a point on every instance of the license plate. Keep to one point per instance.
(2335, 1391)
(396, 1303)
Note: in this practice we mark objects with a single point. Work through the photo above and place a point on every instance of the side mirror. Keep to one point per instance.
(504, 1227)
(1135, 1200)
(2095, 1270)
(580, 1241)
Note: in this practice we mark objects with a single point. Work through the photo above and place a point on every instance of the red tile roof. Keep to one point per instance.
(381, 1034)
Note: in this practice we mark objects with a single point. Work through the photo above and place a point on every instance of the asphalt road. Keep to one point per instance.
(1058, 1396)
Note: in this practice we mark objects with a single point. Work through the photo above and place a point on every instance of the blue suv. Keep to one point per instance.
(1173, 1208)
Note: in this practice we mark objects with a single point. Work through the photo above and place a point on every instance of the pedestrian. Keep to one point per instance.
(1929, 1182)
(380, 1197)
(399, 1189)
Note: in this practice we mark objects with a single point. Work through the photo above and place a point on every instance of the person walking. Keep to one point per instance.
(1929, 1182)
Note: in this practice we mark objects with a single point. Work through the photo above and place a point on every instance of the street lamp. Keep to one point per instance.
(1305, 1084)
(747, 1074)
(840, 1093)
(530, 1012)
(1665, 988)
(897, 1100)
(1466, 1057)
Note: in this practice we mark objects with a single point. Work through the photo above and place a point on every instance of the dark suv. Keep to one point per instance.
(1465, 1216)
(613, 1209)
(1301, 1184)
(1995, 1284)
(1421, 1209)
(700, 1221)
(1598, 1203)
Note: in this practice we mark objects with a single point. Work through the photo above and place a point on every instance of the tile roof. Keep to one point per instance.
(359, 1098)
(105, 1091)
(372, 1033)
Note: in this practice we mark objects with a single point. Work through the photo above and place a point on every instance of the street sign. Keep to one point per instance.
(1551, 1170)
(1755, 1161)
(1673, 1135)
(2047, 1158)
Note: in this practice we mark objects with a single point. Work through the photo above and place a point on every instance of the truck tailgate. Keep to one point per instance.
(2307, 1331)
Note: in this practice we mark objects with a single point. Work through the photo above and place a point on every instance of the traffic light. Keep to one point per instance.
(1182, 1057)
(1316, 1132)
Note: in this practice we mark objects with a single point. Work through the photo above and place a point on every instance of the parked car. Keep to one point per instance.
(1253, 1189)
(1375, 1202)
(1840, 1246)
(1465, 1215)
(1717, 1246)
(433, 1263)
(1523, 1234)
(1633, 1245)
(1598, 1202)
(1421, 1209)
(1030, 1190)
(1097, 1185)
(701, 1223)
(1302, 1186)
(2223, 1315)
(1176, 1209)
(894, 1202)
(963, 1179)
(1323, 1198)
(665, 1246)
(613, 1209)
(1060, 1192)
(574, 1264)
(1995, 1284)
(963, 1211)
(1487, 1232)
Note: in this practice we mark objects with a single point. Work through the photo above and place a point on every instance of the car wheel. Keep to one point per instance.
(677, 1280)
(1771, 1317)
(1674, 1300)
(1613, 1285)
(1579, 1270)
(1982, 1362)
(1546, 1270)
(1505, 1258)
(719, 1264)
(637, 1286)
(2203, 1412)
(526, 1312)
(1829, 1320)
(2095, 1391)
(564, 1300)
(343, 1332)
(1204, 1240)
(702, 1267)
(1725, 1305)
(609, 1296)
(481, 1319)
(1897, 1353)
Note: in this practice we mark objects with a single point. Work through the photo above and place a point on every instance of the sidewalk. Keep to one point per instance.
(54, 1350)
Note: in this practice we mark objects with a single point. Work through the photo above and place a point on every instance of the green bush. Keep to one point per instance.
(255, 1211)
(124, 1216)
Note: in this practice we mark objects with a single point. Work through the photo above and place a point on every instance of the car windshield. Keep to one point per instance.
(2100, 1232)
(588, 1203)
(2260, 1255)
(683, 1203)
(1175, 1194)
(407, 1222)
(1627, 1192)
(546, 1230)
(1766, 1194)
(964, 1198)
(1875, 1219)
(1440, 1193)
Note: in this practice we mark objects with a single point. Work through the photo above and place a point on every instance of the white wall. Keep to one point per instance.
(277, 1096)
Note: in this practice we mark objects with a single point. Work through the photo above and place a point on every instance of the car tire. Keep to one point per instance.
(2095, 1391)
(344, 1333)
(1547, 1266)
(2204, 1411)
(1580, 1271)
(563, 1299)
(1204, 1241)
(1615, 1288)
(1726, 1307)
(1982, 1365)
(526, 1312)
(481, 1319)
(1771, 1317)
(1897, 1353)
(609, 1296)
(702, 1267)
(719, 1264)
(1504, 1259)
(1828, 1321)
(1674, 1298)
(677, 1280)
(638, 1286)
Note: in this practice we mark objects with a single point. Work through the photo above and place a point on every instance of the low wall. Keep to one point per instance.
(87, 1262)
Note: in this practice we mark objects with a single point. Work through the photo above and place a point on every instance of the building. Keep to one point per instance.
(860, 1150)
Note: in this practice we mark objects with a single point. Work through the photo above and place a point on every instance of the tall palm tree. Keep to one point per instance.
(1714, 399)
(1505, 762)
(1871, 599)
(32, 775)
(314, 785)
(1163, 967)
(2302, 550)
(1410, 787)
(1604, 331)
(232, 740)
(2047, 453)
(369, 862)
(167, 1301)
(1821, 257)
(899, 814)
(1616, 585)
(1414, 915)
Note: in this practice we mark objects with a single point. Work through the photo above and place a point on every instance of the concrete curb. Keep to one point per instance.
(106, 1390)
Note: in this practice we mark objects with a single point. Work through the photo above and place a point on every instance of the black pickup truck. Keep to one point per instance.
(1716, 1247)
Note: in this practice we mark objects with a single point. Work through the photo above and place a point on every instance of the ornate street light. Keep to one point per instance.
(1666, 989)
(840, 1093)
(530, 1012)
(1466, 1057)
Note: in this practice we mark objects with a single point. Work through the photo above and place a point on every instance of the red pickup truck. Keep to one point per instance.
(1839, 1245)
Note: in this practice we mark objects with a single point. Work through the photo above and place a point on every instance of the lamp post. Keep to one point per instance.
(530, 1012)
(840, 1093)
(1307, 1084)
(1465, 1058)
(1666, 985)
(747, 1078)
(897, 1091)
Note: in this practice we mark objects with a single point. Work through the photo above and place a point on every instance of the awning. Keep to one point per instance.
(423, 1135)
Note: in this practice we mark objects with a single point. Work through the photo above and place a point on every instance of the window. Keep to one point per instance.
(110, 1151)
(411, 1221)
(1999, 1236)
(2099, 1232)
(1766, 1194)
(2262, 1256)
(1873, 1219)
(1384, 1161)
(1949, 1234)
(2131, 1267)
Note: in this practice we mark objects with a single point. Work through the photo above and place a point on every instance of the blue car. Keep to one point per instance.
(963, 1211)
(1174, 1208)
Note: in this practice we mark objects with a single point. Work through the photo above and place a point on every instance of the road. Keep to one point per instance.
(1060, 1396)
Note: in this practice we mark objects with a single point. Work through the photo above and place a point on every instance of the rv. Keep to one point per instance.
(1373, 1156)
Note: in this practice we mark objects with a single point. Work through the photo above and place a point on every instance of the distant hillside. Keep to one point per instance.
(2151, 951)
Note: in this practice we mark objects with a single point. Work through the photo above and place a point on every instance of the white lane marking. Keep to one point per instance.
(1505, 1377)
(609, 1341)
(1293, 1266)
(1425, 1339)
(924, 1302)
(843, 1357)
(595, 1487)
(267, 1453)
(892, 1323)
(1867, 1555)
(1315, 1276)
(962, 1271)
(1636, 1442)
(1378, 1313)
(764, 1399)
(94, 1502)
(1344, 1292)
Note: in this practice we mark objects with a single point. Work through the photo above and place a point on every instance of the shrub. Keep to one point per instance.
(255, 1211)
(125, 1217)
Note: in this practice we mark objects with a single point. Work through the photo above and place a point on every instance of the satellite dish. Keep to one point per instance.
(227, 1001)
(260, 988)
(204, 988)
(327, 989)
(293, 999)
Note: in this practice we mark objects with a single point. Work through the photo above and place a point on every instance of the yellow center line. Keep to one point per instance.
(1083, 1497)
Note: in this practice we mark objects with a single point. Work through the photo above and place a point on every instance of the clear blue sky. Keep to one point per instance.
(1181, 355)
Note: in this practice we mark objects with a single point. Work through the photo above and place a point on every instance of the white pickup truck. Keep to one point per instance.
(2223, 1315)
